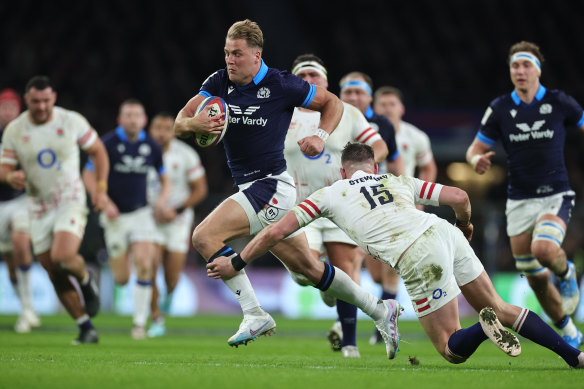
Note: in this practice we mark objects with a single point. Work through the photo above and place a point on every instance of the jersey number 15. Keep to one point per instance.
(379, 194)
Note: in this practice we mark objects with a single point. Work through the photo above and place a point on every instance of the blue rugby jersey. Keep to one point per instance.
(383, 126)
(129, 164)
(259, 117)
(533, 135)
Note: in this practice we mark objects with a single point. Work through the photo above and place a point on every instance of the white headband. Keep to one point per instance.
(310, 65)
(526, 56)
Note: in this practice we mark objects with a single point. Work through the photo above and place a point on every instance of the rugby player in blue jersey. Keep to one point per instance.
(531, 124)
(128, 220)
(261, 102)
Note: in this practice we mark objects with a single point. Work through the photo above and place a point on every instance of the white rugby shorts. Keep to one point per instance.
(322, 231)
(435, 265)
(266, 200)
(523, 214)
(176, 235)
(13, 218)
(67, 217)
(135, 226)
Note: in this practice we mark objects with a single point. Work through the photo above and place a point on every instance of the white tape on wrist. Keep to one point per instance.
(322, 134)
(474, 160)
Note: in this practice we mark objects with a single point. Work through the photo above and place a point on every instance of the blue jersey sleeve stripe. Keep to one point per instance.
(581, 121)
(89, 165)
(162, 170)
(394, 156)
(485, 140)
(309, 97)
(205, 93)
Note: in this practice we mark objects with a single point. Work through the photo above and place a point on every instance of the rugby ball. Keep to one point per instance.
(218, 106)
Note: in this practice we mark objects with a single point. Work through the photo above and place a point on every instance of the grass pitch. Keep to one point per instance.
(195, 354)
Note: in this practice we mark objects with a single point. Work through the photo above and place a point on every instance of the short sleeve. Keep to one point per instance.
(573, 110)
(425, 192)
(312, 208)
(210, 86)
(194, 167)
(489, 131)
(8, 153)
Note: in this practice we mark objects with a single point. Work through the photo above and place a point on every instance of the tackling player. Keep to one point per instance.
(531, 124)
(15, 229)
(128, 220)
(433, 257)
(415, 149)
(312, 173)
(175, 220)
(45, 141)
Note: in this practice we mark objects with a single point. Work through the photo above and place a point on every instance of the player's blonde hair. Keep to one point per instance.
(526, 46)
(248, 30)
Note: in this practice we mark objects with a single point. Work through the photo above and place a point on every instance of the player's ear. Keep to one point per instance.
(343, 173)
(375, 168)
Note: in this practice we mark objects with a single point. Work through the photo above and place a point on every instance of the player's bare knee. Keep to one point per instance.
(121, 279)
(546, 253)
(201, 240)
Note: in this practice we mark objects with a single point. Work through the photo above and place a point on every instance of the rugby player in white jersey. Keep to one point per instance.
(15, 229)
(357, 90)
(45, 140)
(175, 220)
(531, 122)
(313, 173)
(433, 257)
(414, 147)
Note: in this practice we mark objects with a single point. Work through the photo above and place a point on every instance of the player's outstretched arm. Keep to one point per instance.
(458, 200)
(224, 267)
(479, 156)
(187, 122)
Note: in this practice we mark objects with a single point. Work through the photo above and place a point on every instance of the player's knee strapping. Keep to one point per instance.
(549, 230)
(529, 265)
(327, 277)
(225, 251)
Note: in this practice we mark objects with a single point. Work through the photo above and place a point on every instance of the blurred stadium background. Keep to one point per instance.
(448, 57)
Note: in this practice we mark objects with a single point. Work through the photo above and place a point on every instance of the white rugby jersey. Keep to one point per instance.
(377, 211)
(49, 155)
(313, 173)
(182, 166)
(414, 147)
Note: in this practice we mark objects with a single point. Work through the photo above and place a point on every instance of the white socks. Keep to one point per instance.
(23, 289)
(241, 287)
(344, 288)
(142, 298)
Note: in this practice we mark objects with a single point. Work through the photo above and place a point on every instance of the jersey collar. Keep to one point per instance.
(258, 77)
(369, 113)
(538, 96)
(360, 173)
(122, 135)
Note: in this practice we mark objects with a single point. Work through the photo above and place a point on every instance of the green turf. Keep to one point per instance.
(195, 355)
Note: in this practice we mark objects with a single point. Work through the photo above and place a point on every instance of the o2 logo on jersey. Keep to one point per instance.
(322, 154)
(438, 293)
(47, 159)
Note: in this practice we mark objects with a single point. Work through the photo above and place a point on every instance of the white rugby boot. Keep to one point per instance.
(252, 327)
